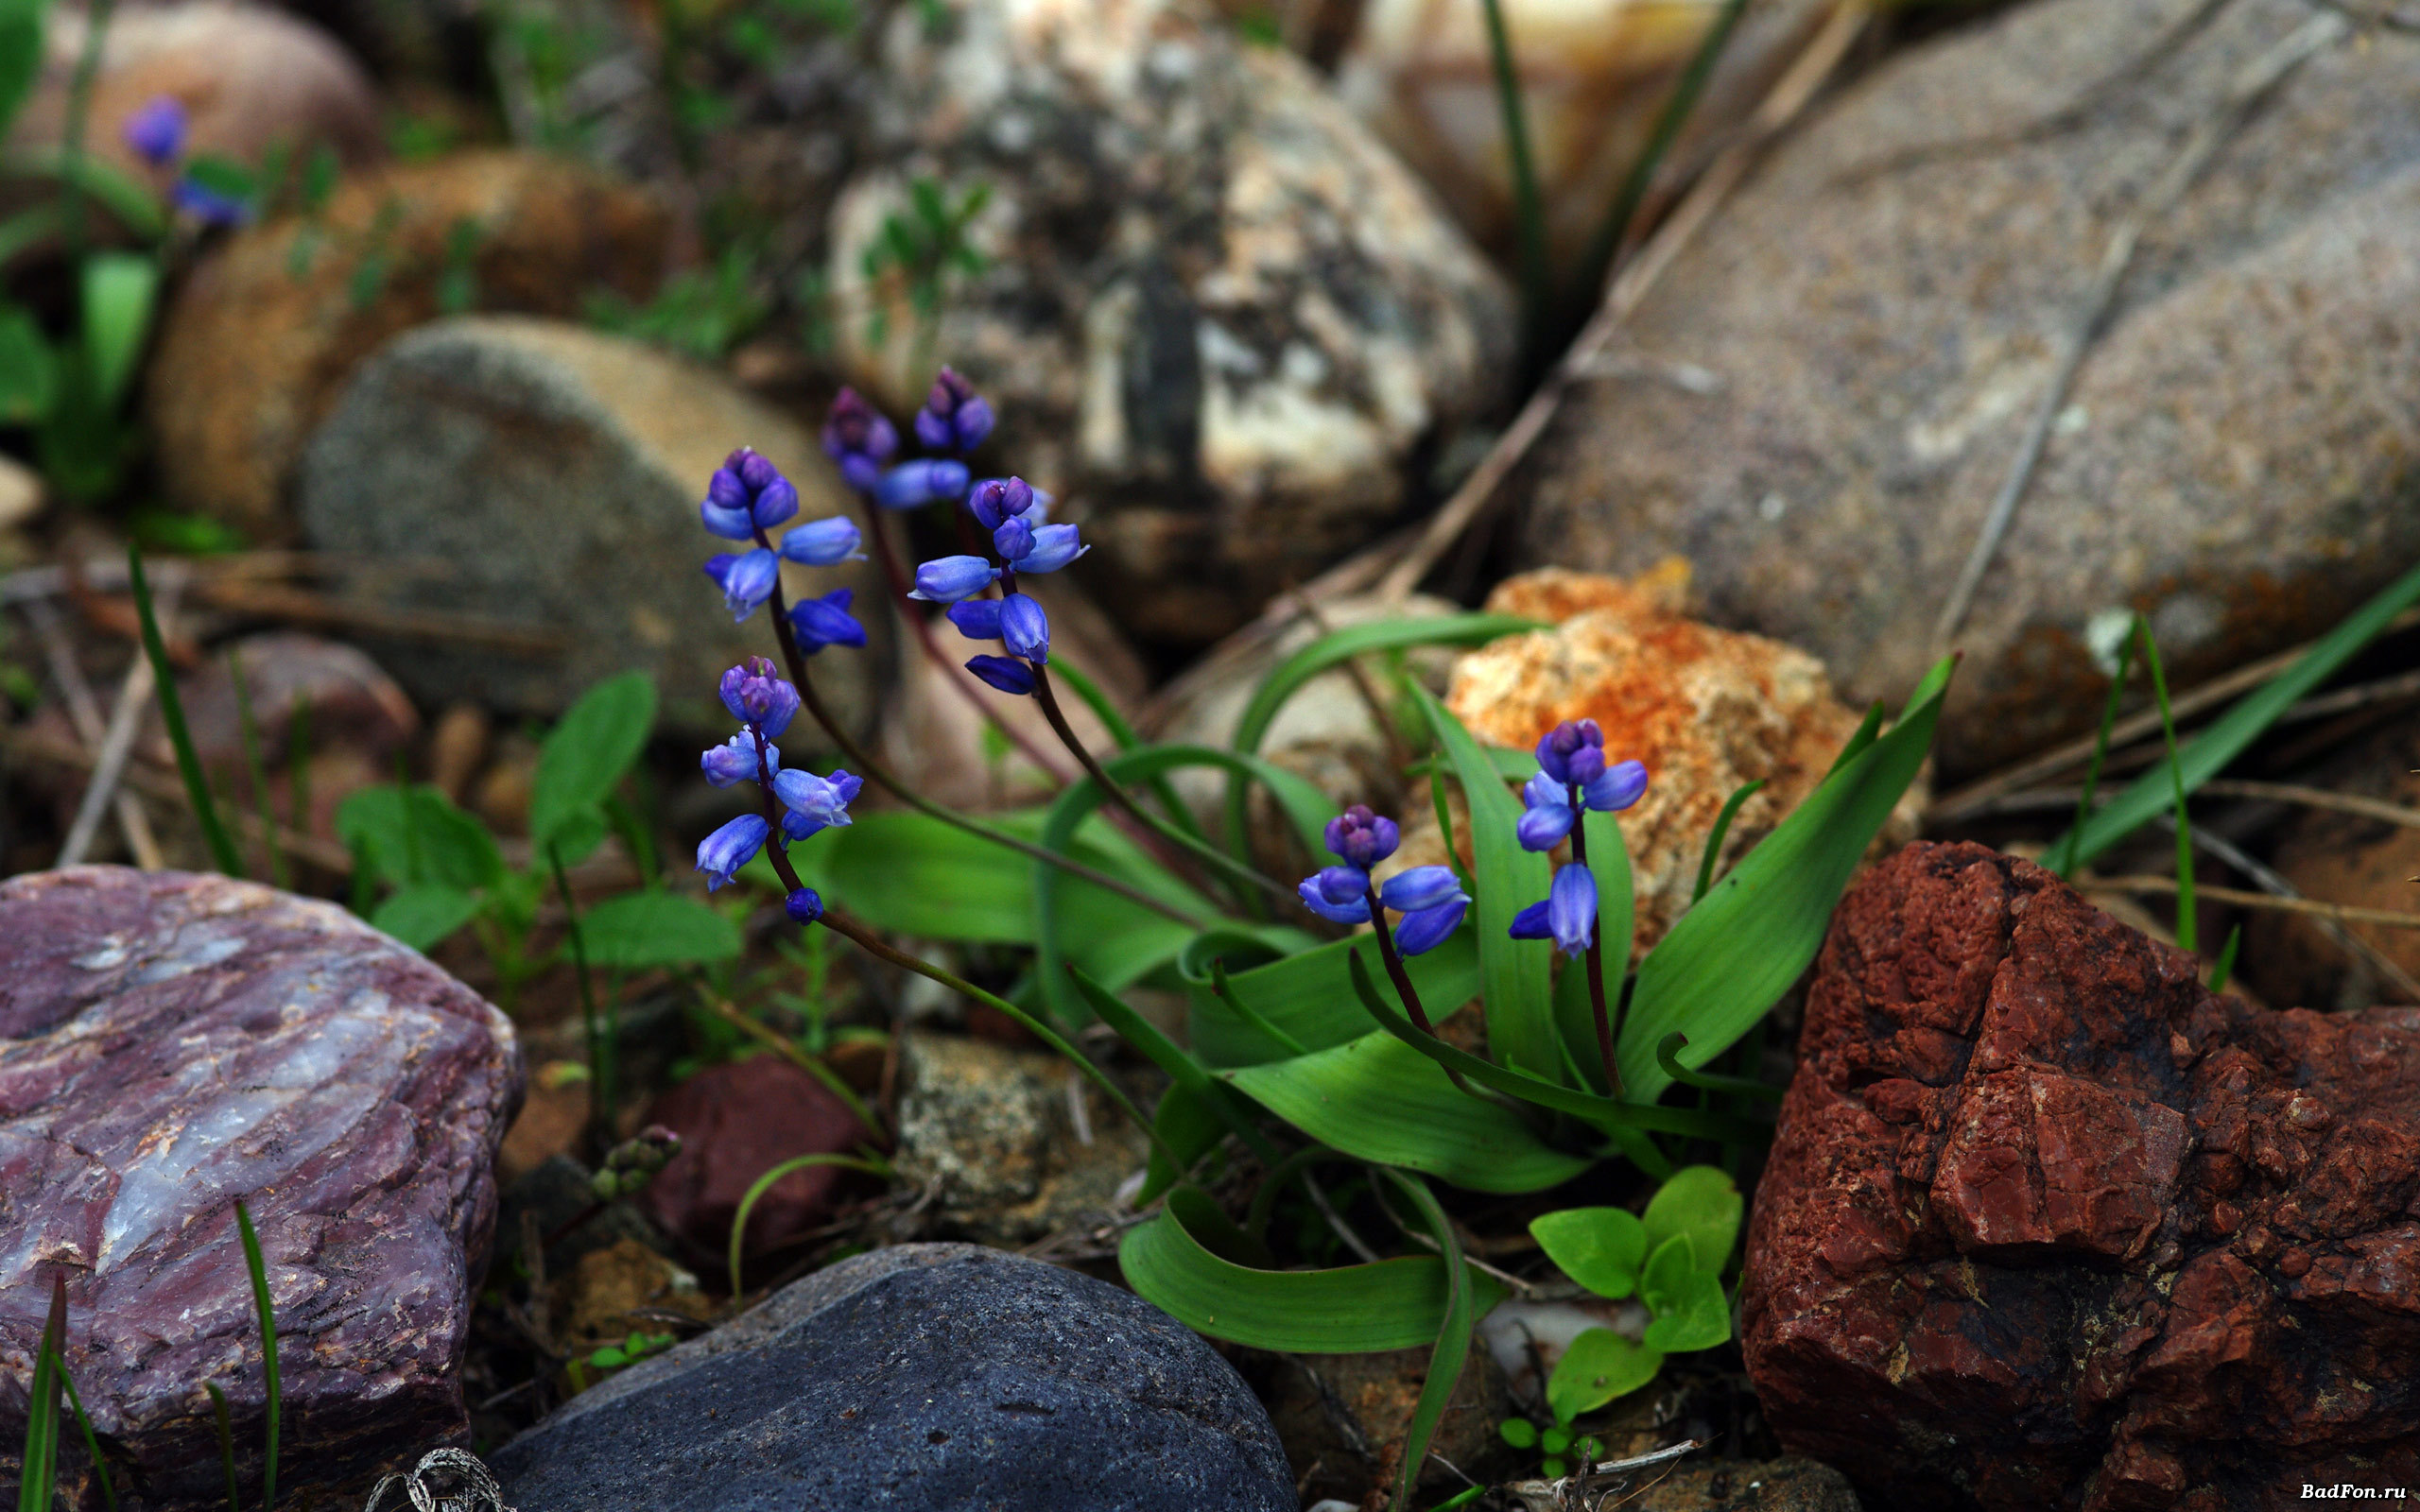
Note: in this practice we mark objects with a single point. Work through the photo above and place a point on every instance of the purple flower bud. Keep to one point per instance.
(947, 579)
(996, 499)
(1556, 746)
(722, 853)
(911, 485)
(858, 438)
(1361, 837)
(732, 525)
(1054, 546)
(1013, 538)
(1340, 884)
(736, 761)
(1024, 629)
(1004, 673)
(157, 131)
(1424, 930)
(1409, 891)
(820, 622)
(1547, 815)
(776, 501)
(755, 695)
(953, 415)
(820, 802)
(1584, 766)
(754, 472)
(1531, 923)
(803, 906)
(1315, 898)
(1571, 909)
(1617, 787)
(823, 542)
(977, 619)
(725, 489)
(747, 579)
(208, 205)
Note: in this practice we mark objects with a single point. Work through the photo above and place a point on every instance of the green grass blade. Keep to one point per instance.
(599, 1031)
(1396, 1304)
(1720, 833)
(1528, 207)
(1668, 1056)
(1123, 735)
(1176, 1062)
(2185, 920)
(1299, 997)
(91, 1440)
(257, 769)
(38, 1475)
(1515, 974)
(226, 1444)
(2225, 970)
(2061, 858)
(2207, 753)
(1453, 1339)
(763, 1184)
(172, 714)
(269, 1347)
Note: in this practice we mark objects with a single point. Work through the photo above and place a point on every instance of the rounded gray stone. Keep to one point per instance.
(925, 1378)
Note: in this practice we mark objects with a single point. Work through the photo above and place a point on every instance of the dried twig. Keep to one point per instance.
(117, 743)
(84, 712)
(2341, 912)
(160, 785)
(2279, 888)
(2315, 798)
(2243, 94)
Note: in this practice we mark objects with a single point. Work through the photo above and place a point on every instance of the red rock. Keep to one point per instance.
(737, 1121)
(2048, 1226)
(170, 1043)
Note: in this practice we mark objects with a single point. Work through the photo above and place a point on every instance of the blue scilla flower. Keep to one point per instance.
(816, 623)
(805, 906)
(722, 853)
(758, 696)
(911, 485)
(1361, 837)
(1025, 630)
(977, 619)
(860, 439)
(157, 131)
(1014, 538)
(1568, 913)
(947, 579)
(955, 417)
(1429, 898)
(817, 802)
(212, 207)
(746, 579)
(994, 500)
(1006, 672)
(1054, 546)
(736, 761)
(1572, 776)
(823, 542)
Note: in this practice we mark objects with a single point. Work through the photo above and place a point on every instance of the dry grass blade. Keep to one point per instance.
(84, 712)
(117, 743)
(2316, 797)
(2341, 912)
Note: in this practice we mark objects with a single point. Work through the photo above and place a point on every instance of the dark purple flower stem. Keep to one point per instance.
(1401, 976)
(1596, 963)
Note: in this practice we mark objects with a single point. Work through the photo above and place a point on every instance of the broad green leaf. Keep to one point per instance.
(1687, 1299)
(656, 928)
(2207, 753)
(578, 835)
(1377, 1098)
(1309, 997)
(1601, 1248)
(128, 198)
(419, 837)
(589, 749)
(1600, 1366)
(20, 54)
(1703, 1202)
(120, 292)
(1732, 954)
(421, 915)
(1453, 1337)
(1189, 1126)
(1176, 1063)
(28, 370)
(1514, 972)
(1351, 1309)
(1575, 1011)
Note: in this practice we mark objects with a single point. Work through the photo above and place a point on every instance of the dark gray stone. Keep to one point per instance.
(923, 1377)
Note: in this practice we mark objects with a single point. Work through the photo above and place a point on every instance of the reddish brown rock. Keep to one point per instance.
(170, 1043)
(2048, 1226)
(737, 1121)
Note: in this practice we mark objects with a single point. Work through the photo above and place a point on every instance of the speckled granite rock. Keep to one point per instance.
(1881, 308)
(171, 1042)
(550, 474)
(2047, 1226)
(922, 1378)
(1217, 316)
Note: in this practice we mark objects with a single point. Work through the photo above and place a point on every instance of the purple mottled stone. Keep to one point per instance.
(171, 1042)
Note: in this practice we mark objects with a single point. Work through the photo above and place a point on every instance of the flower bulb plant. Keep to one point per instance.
(1315, 1035)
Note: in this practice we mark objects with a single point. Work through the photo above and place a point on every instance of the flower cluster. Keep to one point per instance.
(1572, 777)
(955, 418)
(157, 133)
(765, 705)
(1429, 898)
(745, 499)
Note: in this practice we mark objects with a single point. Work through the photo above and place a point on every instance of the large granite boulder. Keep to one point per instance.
(2046, 1224)
(542, 479)
(1217, 317)
(170, 1043)
(1878, 313)
(921, 1378)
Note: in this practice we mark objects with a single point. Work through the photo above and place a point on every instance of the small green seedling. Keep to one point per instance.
(614, 1357)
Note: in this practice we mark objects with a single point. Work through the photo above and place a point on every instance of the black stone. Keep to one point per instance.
(923, 1377)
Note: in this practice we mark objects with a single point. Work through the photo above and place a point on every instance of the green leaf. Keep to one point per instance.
(1575, 1012)
(1601, 1248)
(656, 928)
(1351, 1309)
(587, 750)
(1379, 1099)
(128, 198)
(1177, 1064)
(1703, 1202)
(1453, 1339)
(20, 55)
(223, 177)
(120, 290)
(28, 370)
(1307, 996)
(1732, 954)
(2207, 753)
(419, 836)
(1686, 1297)
(578, 835)
(1190, 1127)
(421, 915)
(1514, 973)
(1600, 1366)
(1518, 1432)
